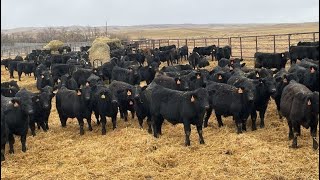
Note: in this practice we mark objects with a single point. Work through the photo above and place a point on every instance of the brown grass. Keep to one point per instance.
(131, 153)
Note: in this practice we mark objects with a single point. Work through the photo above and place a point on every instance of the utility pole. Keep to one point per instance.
(107, 28)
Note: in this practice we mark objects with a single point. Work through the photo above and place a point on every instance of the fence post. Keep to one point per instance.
(153, 44)
(178, 44)
(274, 43)
(289, 40)
(314, 37)
(194, 43)
(186, 42)
(205, 41)
(168, 42)
(230, 45)
(256, 43)
(218, 42)
(159, 43)
(240, 48)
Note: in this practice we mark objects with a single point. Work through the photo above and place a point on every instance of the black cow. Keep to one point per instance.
(194, 59)
(222, 52)
(301, 107)
(130, 76)
(105, 70)
(67, 81)
(176, 68)
(165, 48)
(64, 49)
(301, 52)
(12, 66)
(307, 76)
(228, 100)
(142, 106)
(9, 92)
(205, 51)
(316, 43)
(184, 52)
(4, 133)
(271, 60)
(81, 76)
(171, 83)
(27, 68)
(148, 73)
(179, 107)
(58, 70)
(124, 93)
(5, 63)
(282, 80)
(44, 79)
(10, 84)
(104, 104)
(16, 119)
(74, 104)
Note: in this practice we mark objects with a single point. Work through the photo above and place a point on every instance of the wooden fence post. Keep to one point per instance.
(256, 43)
(240, 48)
(274, 43)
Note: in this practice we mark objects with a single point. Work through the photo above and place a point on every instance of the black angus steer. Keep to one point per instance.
(130, 76)
(301, 52)
(27, 68)
(171, 83)
(74, 104)
(179, 107)
(300, 106)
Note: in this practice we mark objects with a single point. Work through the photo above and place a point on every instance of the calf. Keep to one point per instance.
(184, 52)
(194, 59)
(142, 106)
(178, 107)
(59, 70)
(26, 67)
(68, 81)
(74, 104)
(301, 107)
(12, 66)
(300, 52)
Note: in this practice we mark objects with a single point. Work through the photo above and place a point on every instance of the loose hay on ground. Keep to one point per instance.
(131, 153)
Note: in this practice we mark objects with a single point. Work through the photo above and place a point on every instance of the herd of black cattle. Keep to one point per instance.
(178, 93)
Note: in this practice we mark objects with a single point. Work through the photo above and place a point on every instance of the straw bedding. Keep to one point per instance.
(131, 153)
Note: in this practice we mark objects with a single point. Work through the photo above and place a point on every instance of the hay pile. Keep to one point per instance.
(99, 50)
(129, 152)
(54, 45)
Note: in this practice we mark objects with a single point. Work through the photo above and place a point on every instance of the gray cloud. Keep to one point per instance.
(27, 13)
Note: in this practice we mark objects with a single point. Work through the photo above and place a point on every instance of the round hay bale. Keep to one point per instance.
(54, 45)
(99, 51)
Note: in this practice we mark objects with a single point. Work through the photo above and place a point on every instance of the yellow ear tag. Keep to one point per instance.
(15, 104)
(285, 80)
(103, 96)
(309, 102)
(198, 76)
(257, 75)
(219, 77)
(129, 93)
(178, 81)
(78, 93)
(240, 91)
(192, 99)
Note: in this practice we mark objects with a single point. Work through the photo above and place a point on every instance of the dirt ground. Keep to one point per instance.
(131, 153)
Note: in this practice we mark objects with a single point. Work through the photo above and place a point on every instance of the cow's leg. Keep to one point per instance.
(154, 125)
(47, 119)
(23, 140)
(43, 126)
(290, 129)
(313, 131)
(3, 146)
(244, 124)
(81, 123)
(295, 135)
(132, 113)
(238, 122)
(96, 114)
(63, 121)
(262, 114)
(149, 125)
(199, 129)
(19, 75)
(114, 122)
(103, 125)
(125, 113)
(32, 126)
(89, 123)
(277, 100)
(206, 119)
(254, 119)
(11, 142)
(187, 131)
(219, 119)
(160, 125)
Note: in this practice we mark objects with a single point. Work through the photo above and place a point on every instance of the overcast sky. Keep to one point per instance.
(39, 13)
